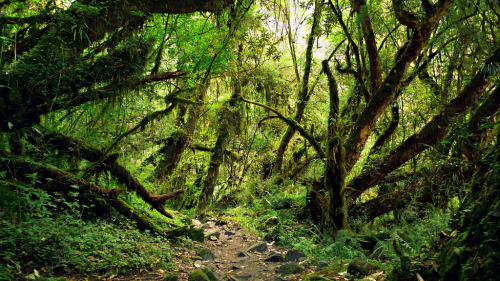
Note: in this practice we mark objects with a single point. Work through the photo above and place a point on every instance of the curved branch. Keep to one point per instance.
(61, 141)
(427, 137)
(292, 123)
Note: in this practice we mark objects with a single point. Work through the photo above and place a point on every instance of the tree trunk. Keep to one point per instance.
(180, 140)
(229, 116)
(304, 95)
(335, 173)
(427, 137)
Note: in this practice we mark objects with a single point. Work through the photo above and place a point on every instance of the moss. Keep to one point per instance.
(290, 268)
(198, 275)
(210, 274)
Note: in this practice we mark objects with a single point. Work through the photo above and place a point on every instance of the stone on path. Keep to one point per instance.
(275, 258)
(290, 268)
(359, 266)
(205, 254)
(229, 233)
(210, 274)
(259, 247)
(215, 234)
(321, 265)
(198, 275)
(242, 255)
(293, 255)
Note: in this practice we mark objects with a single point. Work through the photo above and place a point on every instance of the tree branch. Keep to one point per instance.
(427, 137)
(292, 123)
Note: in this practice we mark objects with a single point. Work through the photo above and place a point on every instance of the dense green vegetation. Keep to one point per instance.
(339, 128)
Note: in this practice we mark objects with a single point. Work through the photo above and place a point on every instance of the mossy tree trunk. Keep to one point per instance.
(335, 174)
(180, 140)
(304, 93)
(230, 118)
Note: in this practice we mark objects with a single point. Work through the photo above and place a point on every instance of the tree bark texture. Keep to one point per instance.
(427, 137)
(394, 79)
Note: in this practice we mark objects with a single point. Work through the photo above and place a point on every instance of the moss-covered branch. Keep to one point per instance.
(292, 123)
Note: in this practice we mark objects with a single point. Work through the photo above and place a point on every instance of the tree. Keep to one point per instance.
(58, 58)
(415, 48)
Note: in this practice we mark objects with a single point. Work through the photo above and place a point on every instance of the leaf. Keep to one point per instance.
(419, 278)
(77, 253)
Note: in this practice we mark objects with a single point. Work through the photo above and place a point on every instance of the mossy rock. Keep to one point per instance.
(290, 268)
(195, 234)
(198, 275)
(205, 254)
(316, 278)
(210, 274)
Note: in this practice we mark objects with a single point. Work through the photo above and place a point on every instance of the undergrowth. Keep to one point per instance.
(46, 233)
(281, 217)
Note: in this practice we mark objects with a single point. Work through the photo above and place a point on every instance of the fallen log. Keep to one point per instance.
(73, 146)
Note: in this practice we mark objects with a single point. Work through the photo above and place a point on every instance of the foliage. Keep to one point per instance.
(45, 232)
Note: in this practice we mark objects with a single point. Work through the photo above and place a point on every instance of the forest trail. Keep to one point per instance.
(237, 255)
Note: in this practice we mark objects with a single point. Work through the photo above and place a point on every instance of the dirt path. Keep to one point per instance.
(234, 257)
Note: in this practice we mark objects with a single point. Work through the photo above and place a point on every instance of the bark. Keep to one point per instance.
(304, 94)
(371, 45)
(179, 141)
(335, 174)
(208, 184)
(388, 132)
(427, 137)
(392, 82)
(70, 145)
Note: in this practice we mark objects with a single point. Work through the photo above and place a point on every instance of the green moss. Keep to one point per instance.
(198, 275)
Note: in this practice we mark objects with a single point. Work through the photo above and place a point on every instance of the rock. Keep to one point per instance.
(196, 234)
(210, 274)
(293, 255)
(171, 277)
(220, 222)
(242, 255)
(215, 234)
(245, 276)
(259, 247)
(359, 266)
(290, 268)
(206, 226)
(321, 265)
(198, 275)
(205, 254)
(275, 258)
(229, 233)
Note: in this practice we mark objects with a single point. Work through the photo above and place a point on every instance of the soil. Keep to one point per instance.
(226, 247)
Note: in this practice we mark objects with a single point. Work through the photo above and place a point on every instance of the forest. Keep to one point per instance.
(249, 140)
